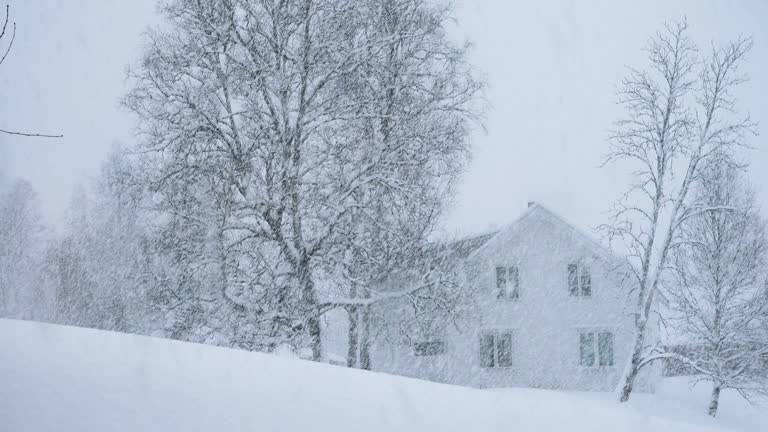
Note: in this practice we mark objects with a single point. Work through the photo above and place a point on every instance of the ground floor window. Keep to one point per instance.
(422, 349)
(496, 349)
(596, 348)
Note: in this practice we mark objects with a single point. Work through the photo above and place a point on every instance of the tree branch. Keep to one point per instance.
(28, 134)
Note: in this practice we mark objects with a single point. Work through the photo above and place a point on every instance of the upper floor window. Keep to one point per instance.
(596, 349)
(422, 349)
(508, 282)
(496, 349)
(579, 280)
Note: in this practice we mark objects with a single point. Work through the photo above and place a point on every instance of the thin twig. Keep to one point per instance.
(2, 33)
(30, 134)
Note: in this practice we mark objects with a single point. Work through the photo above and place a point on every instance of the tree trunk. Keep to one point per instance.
(634, 365)
(311, 309)
(313, 326)
(641, 326)
(629, 378)
(354, 329)
(715, 400)
(365, 355)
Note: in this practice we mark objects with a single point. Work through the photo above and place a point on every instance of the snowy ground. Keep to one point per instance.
(55, 378)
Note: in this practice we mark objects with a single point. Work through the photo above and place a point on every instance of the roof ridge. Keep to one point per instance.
(531, 207)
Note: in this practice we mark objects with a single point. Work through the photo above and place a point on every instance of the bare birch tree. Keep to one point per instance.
(681, 118)
(418, 97)
(720, 290)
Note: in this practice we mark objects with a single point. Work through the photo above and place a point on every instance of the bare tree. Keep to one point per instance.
(408, 122)
(681, 119)
(21, 238)
(96, 269)
(720, 290)
(269, 106)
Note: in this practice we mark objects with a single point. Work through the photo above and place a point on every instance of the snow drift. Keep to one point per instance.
(56, 378)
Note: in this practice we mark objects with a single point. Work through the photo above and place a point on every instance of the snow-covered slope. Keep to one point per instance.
(55, 378)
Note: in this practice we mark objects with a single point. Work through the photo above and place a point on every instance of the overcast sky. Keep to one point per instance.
(552, 69)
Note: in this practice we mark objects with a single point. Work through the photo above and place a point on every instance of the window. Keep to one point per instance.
(579, 281)
(587, 349)
(496, 350)
(605, 348)
(596, 346)
(508, 282)
(422, 349)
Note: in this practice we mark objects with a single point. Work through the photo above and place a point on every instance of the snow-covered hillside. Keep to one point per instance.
(55, 378)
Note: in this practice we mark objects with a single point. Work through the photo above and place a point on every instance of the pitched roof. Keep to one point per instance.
(464, 247)
(468, 247)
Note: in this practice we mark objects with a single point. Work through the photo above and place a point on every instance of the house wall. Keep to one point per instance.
(545, 321)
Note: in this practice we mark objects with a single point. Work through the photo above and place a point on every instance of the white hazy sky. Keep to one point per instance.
(552, 69)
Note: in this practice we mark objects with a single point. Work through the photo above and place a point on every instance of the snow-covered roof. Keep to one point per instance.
(477, 243)
(462, 248)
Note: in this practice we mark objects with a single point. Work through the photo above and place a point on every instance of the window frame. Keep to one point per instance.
(496, 336)
(595, 334)
(506, 293)
(420, 349)
(582, 273)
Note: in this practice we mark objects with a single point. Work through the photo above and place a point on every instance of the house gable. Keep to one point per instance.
(541, 247)
(538, 213)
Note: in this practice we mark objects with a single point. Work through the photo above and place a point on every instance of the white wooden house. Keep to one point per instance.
(553, 311)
